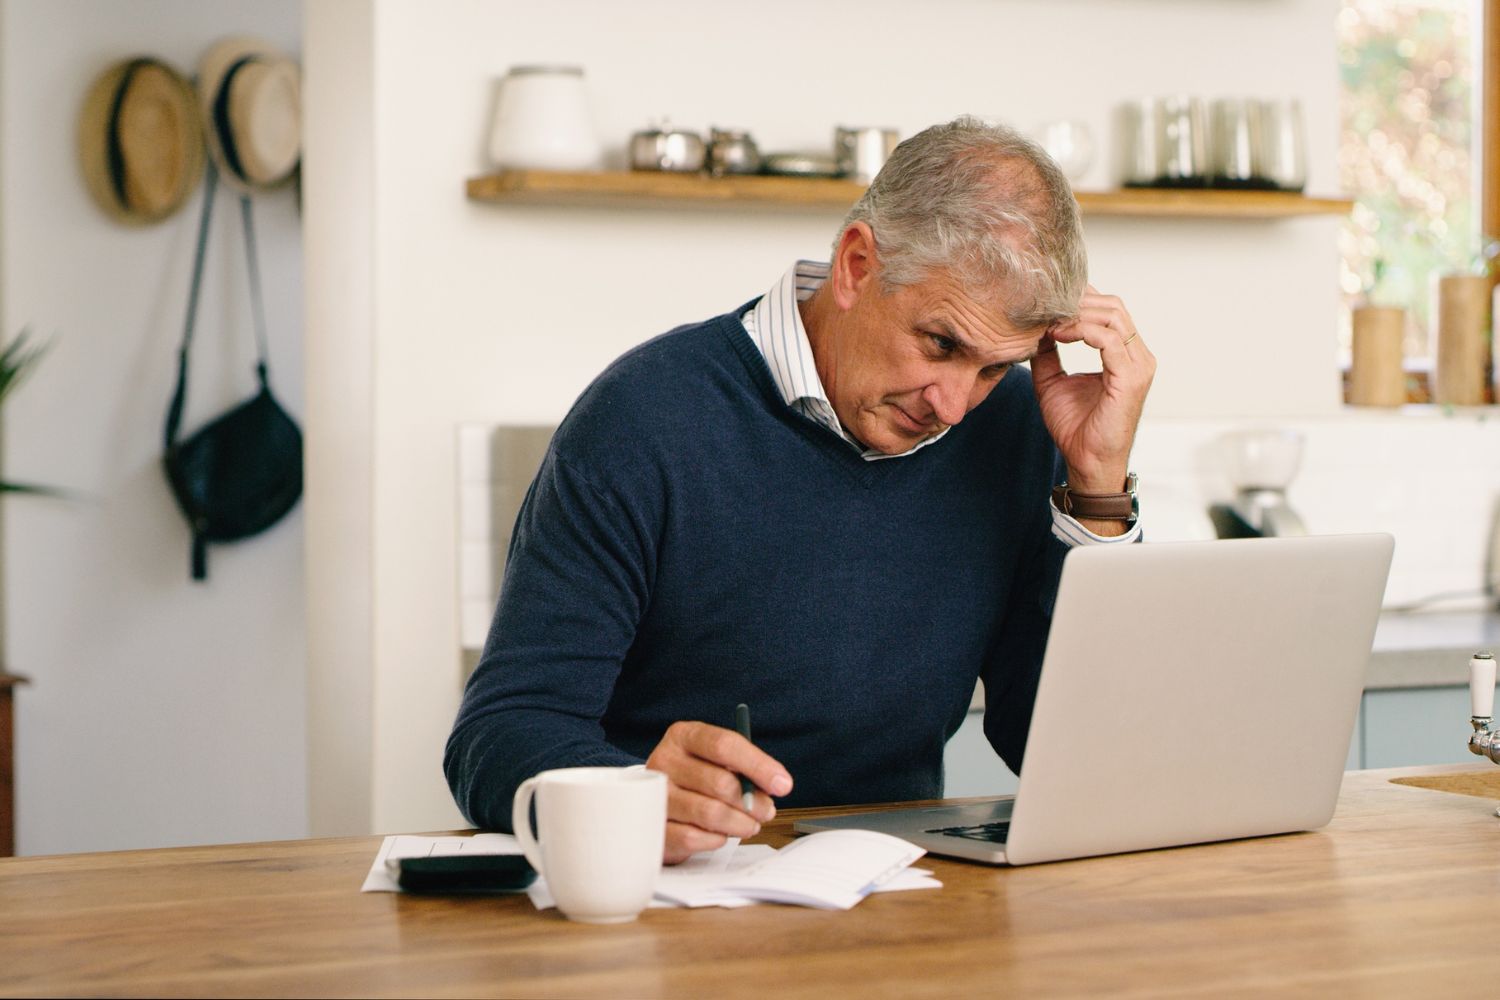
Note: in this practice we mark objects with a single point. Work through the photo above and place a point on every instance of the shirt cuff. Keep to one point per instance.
(1068, 531)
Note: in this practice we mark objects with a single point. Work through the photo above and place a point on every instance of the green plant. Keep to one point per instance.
(16, 361)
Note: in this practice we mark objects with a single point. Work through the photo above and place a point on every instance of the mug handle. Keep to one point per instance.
(520, 822)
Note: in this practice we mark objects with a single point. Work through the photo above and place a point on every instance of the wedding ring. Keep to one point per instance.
(1131, 338)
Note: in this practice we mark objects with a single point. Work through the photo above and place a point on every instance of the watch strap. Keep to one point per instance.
(1099, 506)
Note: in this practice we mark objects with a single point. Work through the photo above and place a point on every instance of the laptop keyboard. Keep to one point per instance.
(995, 833)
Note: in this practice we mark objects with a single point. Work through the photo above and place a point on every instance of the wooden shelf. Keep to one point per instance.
(1208, 204)
(645, 188)
(545, 187)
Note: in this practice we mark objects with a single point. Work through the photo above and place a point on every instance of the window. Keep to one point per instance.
(1408, 153)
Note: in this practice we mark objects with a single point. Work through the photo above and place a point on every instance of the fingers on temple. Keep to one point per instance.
(1046, 363)
(1094, 297)
(1104, 331)
(1113, 317)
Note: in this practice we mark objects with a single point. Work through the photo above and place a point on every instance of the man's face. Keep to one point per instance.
(902, 366)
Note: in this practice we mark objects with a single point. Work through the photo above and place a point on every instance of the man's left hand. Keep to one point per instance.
(1092, 416)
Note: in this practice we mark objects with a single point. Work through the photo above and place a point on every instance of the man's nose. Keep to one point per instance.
(950, 396)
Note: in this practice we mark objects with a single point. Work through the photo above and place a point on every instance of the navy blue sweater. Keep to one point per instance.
(691, 542)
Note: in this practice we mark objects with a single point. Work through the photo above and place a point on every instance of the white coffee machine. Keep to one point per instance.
(1261, 465)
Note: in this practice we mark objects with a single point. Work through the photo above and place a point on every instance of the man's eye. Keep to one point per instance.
(995, 372)
(944, 344)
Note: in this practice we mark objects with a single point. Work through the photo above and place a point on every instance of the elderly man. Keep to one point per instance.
(841, 503)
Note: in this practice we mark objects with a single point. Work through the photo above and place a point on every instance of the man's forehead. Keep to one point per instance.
(941, 299)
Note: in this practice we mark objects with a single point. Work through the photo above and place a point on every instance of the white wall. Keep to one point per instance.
(162, 711)
(502, 314)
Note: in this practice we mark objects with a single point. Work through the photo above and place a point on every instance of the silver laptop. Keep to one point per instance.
(1190, 692)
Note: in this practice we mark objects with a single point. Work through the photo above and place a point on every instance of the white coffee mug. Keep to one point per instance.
(600, 833)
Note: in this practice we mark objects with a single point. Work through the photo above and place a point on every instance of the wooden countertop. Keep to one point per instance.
(1394, 898)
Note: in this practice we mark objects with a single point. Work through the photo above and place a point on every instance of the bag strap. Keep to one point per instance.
(257, 303)
(174, 412)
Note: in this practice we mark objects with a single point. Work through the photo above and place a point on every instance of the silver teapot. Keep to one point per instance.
(667, 149)
(731, 151)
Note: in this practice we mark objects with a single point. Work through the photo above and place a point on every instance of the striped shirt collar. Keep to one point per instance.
(775, 326)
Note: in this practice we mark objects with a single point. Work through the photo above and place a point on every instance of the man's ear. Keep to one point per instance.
(856, 266)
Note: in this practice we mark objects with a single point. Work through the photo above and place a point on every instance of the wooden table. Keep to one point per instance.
(1396, 897)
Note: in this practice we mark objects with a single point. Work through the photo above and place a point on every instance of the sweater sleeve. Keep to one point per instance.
(576, 584)
(1013, 670)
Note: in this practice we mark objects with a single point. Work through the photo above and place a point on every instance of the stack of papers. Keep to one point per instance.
(832, 870)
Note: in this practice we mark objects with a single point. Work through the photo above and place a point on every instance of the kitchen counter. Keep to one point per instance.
(1429, 649)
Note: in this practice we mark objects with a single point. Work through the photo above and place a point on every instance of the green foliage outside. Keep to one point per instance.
(1405, 152)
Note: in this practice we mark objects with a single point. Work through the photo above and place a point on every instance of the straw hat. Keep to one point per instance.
(250, 96)
(139, 141)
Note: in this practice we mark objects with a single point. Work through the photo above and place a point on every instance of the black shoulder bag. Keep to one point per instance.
(242, 472)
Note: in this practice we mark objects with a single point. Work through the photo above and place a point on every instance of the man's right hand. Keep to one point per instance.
(703, 764)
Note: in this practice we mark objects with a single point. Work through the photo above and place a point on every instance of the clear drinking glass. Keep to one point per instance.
(1182, 142)
(1135, 122)
(1236, 144)
(1285, 144)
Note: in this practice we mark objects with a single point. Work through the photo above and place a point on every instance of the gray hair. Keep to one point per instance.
(988, 206)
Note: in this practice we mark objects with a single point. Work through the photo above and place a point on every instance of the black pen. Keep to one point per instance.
(742, 726)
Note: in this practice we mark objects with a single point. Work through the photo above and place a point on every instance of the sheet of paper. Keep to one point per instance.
(831, 870)
(719, 860)
(383, 873)
(834, 869)
(912, 878)
(698, 881)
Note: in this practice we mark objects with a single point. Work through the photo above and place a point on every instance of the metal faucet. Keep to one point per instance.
(1484, 741)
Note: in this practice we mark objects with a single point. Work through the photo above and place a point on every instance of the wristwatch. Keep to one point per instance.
(1098, 506)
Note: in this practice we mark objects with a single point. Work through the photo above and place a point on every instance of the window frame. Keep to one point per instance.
(1489, 123)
